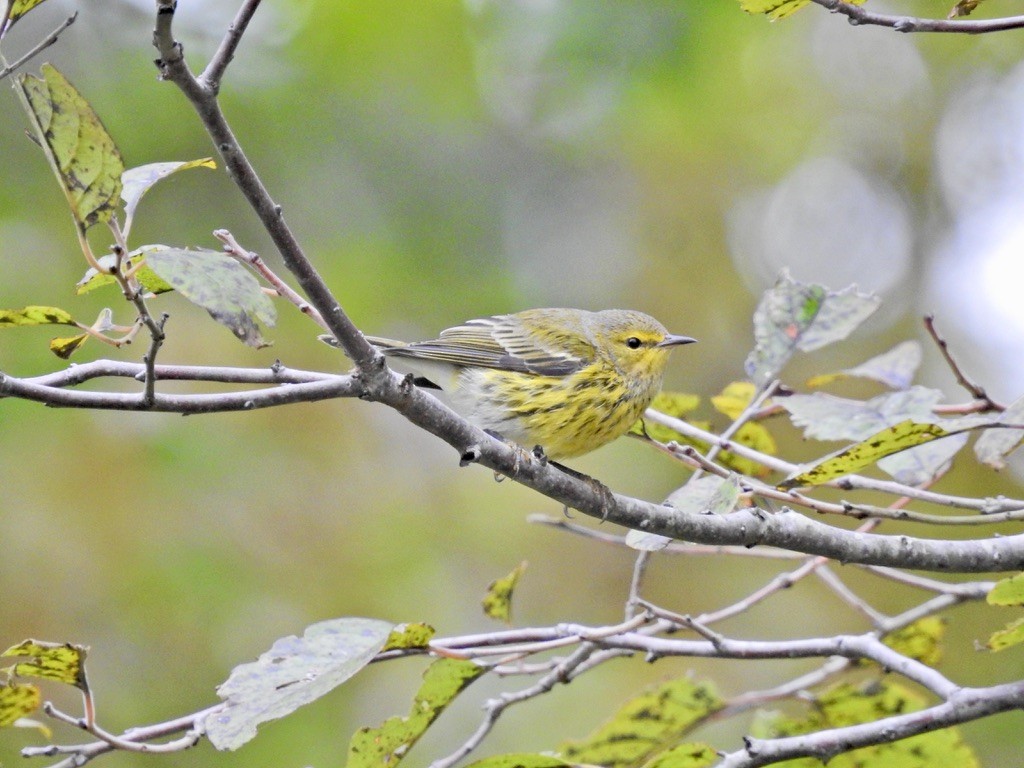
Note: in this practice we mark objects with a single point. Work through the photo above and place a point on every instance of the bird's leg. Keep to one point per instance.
(602, 490)
(522, 456)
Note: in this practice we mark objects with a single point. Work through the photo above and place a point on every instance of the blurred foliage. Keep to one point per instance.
(445, 160)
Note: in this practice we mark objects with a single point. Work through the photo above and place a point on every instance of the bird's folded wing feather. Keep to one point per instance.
(492, 342)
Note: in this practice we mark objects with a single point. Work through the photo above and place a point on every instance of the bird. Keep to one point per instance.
(565, 381)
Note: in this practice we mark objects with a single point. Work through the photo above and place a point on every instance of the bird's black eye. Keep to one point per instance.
(633, 342)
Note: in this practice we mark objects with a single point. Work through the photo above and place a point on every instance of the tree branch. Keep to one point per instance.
(857, 14)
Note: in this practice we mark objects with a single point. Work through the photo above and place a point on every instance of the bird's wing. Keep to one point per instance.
(492, 342)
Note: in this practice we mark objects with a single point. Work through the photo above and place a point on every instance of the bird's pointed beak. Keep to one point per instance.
(673, 341)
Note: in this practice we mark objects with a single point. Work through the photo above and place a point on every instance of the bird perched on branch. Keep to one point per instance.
(566, 380)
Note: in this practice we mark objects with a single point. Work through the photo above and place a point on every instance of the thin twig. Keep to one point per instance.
(859, 15)
(39, 47)
(214, 71)
(974, 390)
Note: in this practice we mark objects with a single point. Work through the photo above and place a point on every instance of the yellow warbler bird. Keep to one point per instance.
(566, 380)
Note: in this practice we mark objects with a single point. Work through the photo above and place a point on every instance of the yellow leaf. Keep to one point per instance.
(64, 662)
(1009, 636)
(734, 399)
(1007, 591)
(65, 346)
(497, 603)
(890, 440)
(674, 404)
(34, 315)
(81, 153)
(921, 640)
(16, 701)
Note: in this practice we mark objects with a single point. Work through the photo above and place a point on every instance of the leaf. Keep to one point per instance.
(890, 440)
(34, 315)
(521, 760)
(734, 399)
(63, 662)
(778, 9)
(497, 603)
(995, 444)
(18, 9)
(895, 368)
(137, 181)
(16, 701)
(846, 705)
(1012, 634)
(921, 640)
(646, 726)
(65, 346)
(414, 635)
(295, 671)
(707, 495)
(963, 8)
(793, 316)
(674, 404)
(922, 464)
(385, 746)
(689, 755)
(827, 417)
(1007, 591)
(84, 158)
(220, 285)
(752, 435)
(147, 278)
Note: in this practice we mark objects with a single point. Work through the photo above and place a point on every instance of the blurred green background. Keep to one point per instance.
(445, 160)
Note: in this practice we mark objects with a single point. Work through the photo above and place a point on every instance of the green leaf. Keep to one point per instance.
(995, 444)
(890, 440)
(1007, 591)
(295, 671)
(793, 316)
(63, 662)
(921, 640)
(521, 760)
(847, 705)
(385, 746)
(137, 181)
(148, 279)
(1009, 636)
(497, 603)
(65, 346)
(16, 701)
(895, 368)
(81, 153)
(779, 9)
(413, 635)
(220, 285)
(35, 315)
(689, 755)
(18, 9)
(646, 726)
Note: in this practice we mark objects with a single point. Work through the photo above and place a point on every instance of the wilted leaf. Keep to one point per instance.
(778, 9)
(413, 635)
(81, 152)
(793, 316)
(1012, 634)
(63, 662)
(65, 346)
(963, 8)
(16, 701)
(294, 672)
(497, 603)
(646, 726)
(890, 440)
(521, 760)
(827, 417)
(752, 435)
(921, 640)
(34, 315)
(148, 279)
(220, 285)
(995, 444)
(1007, 591)
(385, 746)
(895, 368)
(138, 181)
